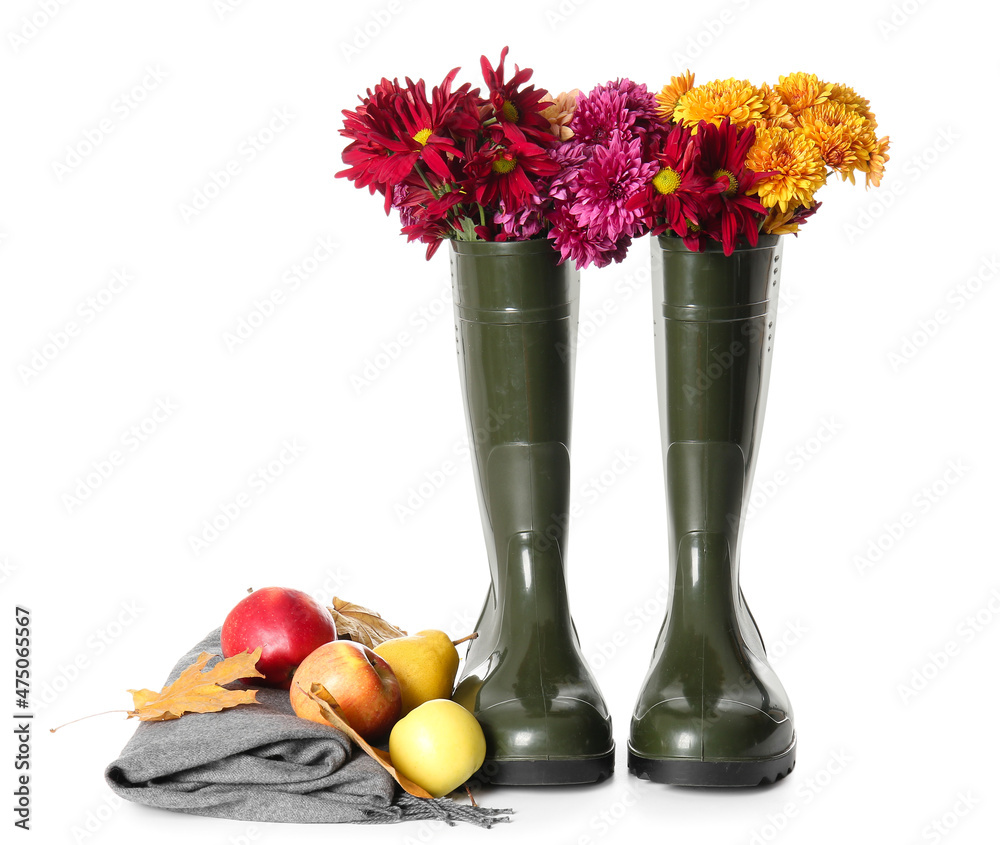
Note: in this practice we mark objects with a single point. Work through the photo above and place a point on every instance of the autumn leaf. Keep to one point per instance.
(194, 691)
(362, 625)
(197, 691)
(335, 716)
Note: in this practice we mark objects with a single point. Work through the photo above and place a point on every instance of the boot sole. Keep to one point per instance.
(562, 772)
(684, 772)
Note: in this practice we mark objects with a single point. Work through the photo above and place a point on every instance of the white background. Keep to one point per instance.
(113, 584)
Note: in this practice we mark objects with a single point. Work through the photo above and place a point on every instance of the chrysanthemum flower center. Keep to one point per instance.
(504, 163)
(422, 136)
(509, 111)
(725, 174)
(615, 191)
(667, 180)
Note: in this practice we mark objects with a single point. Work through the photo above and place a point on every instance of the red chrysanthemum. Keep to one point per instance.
(395, 128)
(502, 172)
(731, 212)
(676, 194)
(512, 105)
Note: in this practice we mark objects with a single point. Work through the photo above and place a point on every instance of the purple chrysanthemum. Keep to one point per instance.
(606, 183)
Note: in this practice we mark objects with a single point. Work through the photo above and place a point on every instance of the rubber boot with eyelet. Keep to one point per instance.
(524, 678)
(711, 712)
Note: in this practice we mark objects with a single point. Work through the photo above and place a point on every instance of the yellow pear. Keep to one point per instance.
(425, 664)
(439, 746)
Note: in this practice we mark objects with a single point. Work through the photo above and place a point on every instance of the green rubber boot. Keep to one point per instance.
(524, 677)
(711, 712)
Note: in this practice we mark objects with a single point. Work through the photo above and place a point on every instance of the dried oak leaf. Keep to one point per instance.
(335, 716)
(362, 625)
(197, 691)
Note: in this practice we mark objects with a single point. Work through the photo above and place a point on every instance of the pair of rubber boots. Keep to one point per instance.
(711, 710)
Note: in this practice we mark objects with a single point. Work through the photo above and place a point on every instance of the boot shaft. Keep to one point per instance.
(714, 328)
(516, 314)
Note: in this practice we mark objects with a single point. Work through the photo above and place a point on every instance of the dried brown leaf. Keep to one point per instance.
(362, 625)
(197, 691)
(335, 716)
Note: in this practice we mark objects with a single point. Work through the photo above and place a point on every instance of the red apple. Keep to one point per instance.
(362, 682)
(287, 624)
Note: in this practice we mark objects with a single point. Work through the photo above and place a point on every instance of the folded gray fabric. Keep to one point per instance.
(261, 762)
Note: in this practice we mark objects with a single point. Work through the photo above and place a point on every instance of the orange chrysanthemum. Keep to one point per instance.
(845, 138)
(852, 99)
(560, 112)
(739, 100)
(796, 165)
(775, 109)
(667, 99)
(799, 91)
(876, 164)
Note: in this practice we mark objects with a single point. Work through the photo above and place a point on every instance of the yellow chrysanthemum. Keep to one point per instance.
(845, 138)
(667, 99)
(801, 90)
(876, 164)
(797, 165)
(739, 100)
(775, 109)
(560, 112)
(779, 222)
(850, 98)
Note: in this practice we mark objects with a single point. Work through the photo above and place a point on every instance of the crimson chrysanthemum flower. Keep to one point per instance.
(512, 105)
(606, 183)
(675, 194)
(396, 127)
(731, 212)
(502, 173)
